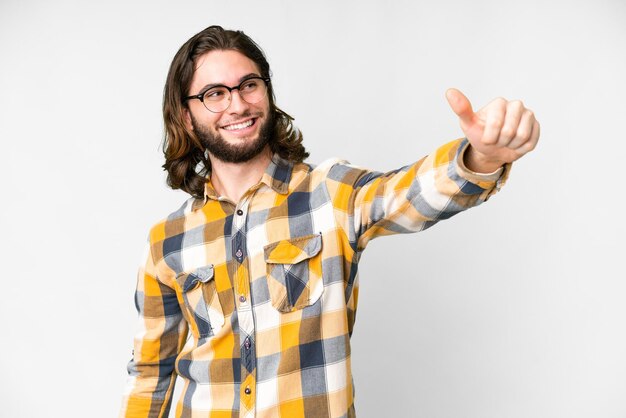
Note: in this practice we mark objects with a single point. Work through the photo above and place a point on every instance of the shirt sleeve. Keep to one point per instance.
(410, 199)
(161, 335)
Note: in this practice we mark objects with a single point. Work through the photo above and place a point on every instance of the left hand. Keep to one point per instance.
(499, 133)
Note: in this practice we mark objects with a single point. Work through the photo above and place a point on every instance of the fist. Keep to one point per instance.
(499, 133)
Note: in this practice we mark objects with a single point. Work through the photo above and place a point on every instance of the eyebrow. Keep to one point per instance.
(241, 79)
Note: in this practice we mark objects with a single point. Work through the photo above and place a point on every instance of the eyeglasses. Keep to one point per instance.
(217, 98)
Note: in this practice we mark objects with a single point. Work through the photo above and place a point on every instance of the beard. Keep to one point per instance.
(229, 153)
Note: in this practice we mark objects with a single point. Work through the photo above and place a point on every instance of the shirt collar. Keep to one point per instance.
(276, 176)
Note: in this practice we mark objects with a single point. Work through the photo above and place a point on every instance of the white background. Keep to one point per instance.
(515, 309)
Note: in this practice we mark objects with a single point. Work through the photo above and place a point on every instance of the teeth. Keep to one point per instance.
(238, 125)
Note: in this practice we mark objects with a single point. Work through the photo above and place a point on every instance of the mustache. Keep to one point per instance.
(244, 115)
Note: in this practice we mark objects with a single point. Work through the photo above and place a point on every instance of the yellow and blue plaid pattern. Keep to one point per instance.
(266, 289)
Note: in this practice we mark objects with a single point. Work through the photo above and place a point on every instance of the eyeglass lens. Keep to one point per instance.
(218, 98)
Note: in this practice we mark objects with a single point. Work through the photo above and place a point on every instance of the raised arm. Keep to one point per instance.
(457, 176)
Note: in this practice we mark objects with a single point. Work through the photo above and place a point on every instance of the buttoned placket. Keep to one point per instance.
(244, 308)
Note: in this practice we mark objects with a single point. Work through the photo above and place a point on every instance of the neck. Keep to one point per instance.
(233, 180)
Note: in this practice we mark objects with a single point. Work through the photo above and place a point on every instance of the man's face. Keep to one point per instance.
(242, 131)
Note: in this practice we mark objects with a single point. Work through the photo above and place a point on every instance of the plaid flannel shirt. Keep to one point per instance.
(267, 288)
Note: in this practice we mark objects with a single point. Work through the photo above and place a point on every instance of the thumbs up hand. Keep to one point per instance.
(499, 133)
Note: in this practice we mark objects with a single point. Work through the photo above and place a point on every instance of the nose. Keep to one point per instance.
(237, 104)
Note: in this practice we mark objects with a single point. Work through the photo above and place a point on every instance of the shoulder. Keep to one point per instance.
(328, 172)
(169, 230)
(333, 168)
(343, 172)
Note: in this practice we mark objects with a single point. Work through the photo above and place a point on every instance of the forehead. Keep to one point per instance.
(222, 67)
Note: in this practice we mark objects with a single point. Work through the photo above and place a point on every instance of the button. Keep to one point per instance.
(239, 212)
(246, 343)
(239, 253)
(248, 391)
(242, 298)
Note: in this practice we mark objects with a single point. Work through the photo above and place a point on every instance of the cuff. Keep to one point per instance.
(486, 181)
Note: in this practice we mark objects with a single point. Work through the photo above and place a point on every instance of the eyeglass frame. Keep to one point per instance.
(200, 96)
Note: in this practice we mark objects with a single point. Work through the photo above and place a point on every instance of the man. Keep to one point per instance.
(259, 266)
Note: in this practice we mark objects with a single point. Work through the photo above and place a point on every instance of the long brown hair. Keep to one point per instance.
(186, 162)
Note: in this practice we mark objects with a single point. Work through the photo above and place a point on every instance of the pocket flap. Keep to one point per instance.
(292, 251)
(200, 275)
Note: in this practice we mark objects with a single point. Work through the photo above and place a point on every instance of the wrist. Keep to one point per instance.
(479, 163)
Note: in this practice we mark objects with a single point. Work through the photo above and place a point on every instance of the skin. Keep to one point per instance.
(499, 133)
(231, 180)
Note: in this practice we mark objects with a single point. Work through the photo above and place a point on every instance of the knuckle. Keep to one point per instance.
(508, 132)
(496, 123)
(501, 101)
(524, 133)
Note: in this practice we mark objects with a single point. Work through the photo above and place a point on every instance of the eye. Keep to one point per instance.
(215, 94)
(250, 85)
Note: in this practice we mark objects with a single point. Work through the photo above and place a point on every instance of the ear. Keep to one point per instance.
(187, 118)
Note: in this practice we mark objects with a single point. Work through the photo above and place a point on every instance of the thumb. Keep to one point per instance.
(460, 105)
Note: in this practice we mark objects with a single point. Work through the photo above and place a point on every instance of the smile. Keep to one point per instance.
(237, 126)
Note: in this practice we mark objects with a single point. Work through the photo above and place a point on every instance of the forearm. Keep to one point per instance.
(417, 196)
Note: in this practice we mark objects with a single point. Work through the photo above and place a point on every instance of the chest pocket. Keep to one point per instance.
(203, 309)
(294, 272)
